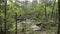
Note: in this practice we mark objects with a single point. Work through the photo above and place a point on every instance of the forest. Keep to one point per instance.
(28, 16)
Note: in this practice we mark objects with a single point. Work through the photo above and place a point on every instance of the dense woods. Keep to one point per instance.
(33, 17)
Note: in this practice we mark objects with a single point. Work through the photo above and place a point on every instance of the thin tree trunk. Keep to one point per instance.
(16, 22)
(5, 9)
(58, 32)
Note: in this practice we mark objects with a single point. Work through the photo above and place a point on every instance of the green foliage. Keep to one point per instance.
(36, 11)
